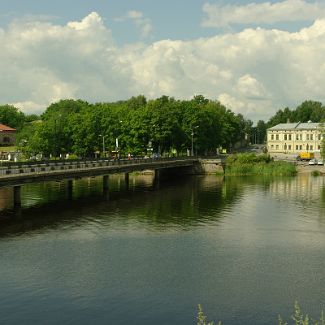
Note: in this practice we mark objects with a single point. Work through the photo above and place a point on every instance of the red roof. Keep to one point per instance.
(6, 128)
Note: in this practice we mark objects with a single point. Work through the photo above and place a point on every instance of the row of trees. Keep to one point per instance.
(136, 126)
(307, 111)
(164, 125)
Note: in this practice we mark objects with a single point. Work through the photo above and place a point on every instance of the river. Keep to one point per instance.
(244, 248)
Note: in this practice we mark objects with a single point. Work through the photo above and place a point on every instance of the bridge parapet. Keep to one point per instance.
(36, 172)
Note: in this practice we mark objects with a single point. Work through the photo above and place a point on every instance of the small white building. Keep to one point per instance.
(295, 137)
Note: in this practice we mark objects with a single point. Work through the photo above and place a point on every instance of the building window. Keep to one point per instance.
(277, 147)
(289, 146)
(311, 147)
(297, 136)
(301, 136)
(297, 147)
(272, 136)
(318, 147)
(276, 137)
(300, 147)
(285, 137)
(319, 136)
(311, 137)
(307, 135)
(272, 146)
(290, 137)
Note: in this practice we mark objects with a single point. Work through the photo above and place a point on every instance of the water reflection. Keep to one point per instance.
(245, 248)
(184, 202)
(174, 204)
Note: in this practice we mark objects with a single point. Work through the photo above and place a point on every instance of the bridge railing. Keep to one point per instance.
(72, 165)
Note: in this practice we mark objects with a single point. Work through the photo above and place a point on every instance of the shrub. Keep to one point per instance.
(252, 164)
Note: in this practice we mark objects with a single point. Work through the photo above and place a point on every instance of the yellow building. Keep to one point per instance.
(295, 138)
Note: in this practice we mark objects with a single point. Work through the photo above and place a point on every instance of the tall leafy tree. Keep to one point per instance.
(11, 116)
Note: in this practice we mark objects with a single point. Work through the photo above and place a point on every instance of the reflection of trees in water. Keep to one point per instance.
(182, 202)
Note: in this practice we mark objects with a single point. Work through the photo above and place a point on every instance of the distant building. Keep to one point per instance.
(295, 137)
(7, 135)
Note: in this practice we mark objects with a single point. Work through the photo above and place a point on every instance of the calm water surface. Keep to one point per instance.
(245, 249)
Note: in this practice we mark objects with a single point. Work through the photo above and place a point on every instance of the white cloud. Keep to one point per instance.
(142, 23)
(254, 72)
(249, 87)
(92, 21)
(262, 13)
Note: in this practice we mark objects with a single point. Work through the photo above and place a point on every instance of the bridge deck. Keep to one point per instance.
(17, 174)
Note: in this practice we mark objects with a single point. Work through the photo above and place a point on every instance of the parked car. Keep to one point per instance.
(320, 162)
(312, 161)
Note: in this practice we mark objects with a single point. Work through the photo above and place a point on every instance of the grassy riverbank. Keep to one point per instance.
(252, 164)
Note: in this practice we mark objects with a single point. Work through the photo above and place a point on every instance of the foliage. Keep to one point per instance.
(137, 126)
(11, 116)
(315, 173)
(252, 164)
(298, 317)
(307, 111)
(259, 132)
(201, 318)
(142, 127)
(248, 158)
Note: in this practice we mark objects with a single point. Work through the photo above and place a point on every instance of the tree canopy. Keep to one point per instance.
(138, 126)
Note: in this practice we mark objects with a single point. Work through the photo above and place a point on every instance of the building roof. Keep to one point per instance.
(295, 126)
(6, 128)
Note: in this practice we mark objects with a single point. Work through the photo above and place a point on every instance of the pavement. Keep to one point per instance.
(302, 166)
(305, 168)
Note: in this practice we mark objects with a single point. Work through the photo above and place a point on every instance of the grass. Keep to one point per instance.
(252, 164)
(201, 318)
(298, 318)
(7, 149)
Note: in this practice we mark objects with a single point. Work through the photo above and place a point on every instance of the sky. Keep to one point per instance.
(254, 57)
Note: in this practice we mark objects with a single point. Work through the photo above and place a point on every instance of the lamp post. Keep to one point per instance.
(116, 140)
(103, 136)
(192, 149)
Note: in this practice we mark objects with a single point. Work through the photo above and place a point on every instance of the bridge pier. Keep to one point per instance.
(70, 189)
(157, 177)
(106, 186)
(17, 196)
(127, 180)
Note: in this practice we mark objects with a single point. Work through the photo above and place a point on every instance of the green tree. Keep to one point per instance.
(11, 116)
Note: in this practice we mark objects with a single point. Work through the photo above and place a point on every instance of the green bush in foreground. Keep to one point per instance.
(252, 164)
(298, 318)
(201, 318)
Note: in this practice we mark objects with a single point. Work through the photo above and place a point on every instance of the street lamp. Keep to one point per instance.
(116, 139)
(103, 136)
(192, 150)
